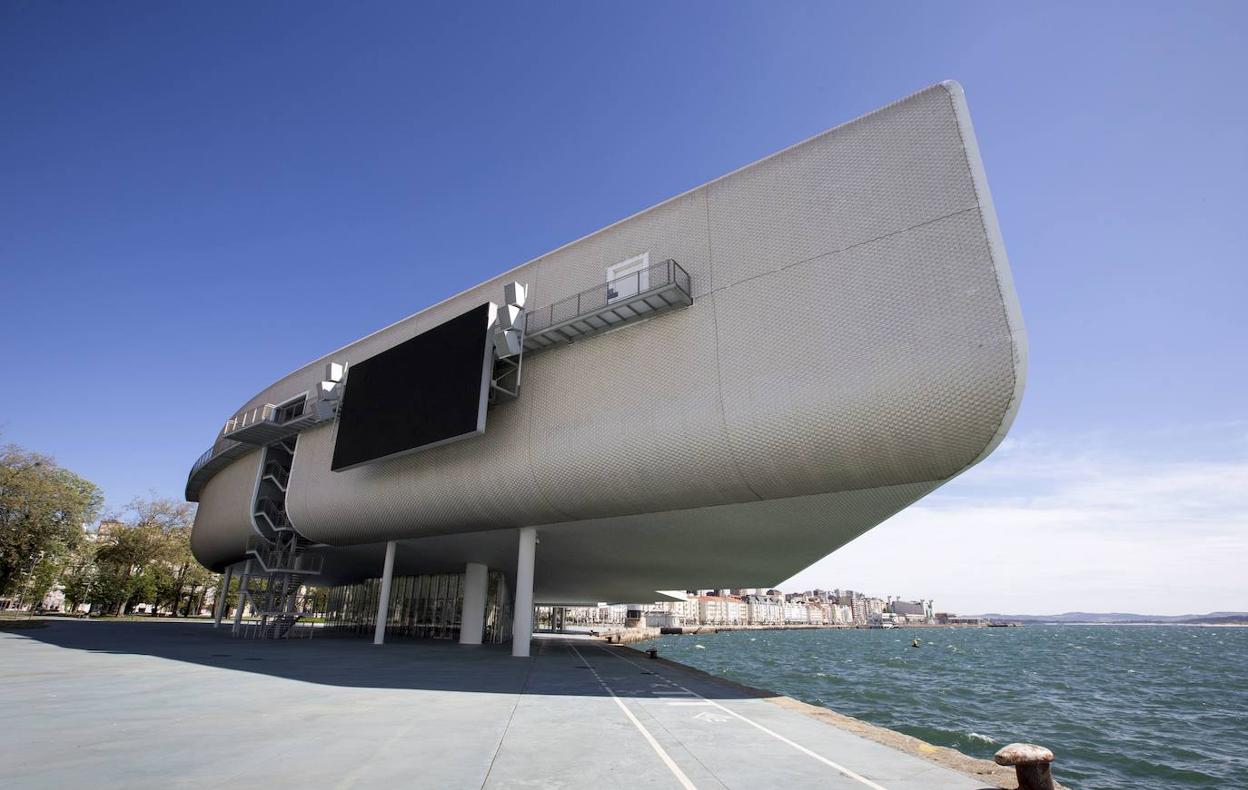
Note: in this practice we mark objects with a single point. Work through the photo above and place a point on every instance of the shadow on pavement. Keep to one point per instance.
(354, 661)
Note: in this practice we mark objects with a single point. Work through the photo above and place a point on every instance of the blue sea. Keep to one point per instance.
(1157, 707)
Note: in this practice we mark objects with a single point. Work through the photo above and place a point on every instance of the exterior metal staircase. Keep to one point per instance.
(280, 563)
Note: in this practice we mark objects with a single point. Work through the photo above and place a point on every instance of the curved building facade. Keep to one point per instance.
(715, 392)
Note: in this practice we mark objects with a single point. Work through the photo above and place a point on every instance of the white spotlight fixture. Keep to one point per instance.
(515, 294)
(509, 316)
(329, 391)
(508, 342)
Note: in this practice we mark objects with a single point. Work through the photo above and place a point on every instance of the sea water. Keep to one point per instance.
(1142, 706)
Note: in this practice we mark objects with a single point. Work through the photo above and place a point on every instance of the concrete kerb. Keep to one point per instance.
(998, 776)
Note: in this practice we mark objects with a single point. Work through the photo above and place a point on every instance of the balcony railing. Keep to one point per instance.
(270, 423)
(213, 460)
(265, 413)
(655, 289)
(202, 461)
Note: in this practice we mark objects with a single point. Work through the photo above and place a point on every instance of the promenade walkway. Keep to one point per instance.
(178, 705)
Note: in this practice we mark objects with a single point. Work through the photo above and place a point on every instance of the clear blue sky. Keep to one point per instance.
(174, 176)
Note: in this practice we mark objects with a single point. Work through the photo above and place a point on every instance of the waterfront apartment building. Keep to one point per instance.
(796, 613)
(751, 609)
(713, 393)
(685, 609)
(722, 610)
(764, 610)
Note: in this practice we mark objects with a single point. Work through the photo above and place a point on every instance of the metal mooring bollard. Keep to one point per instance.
(1031, 764)
(653, 652)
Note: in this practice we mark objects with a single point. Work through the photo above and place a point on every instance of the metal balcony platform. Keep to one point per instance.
(267, 424)
(656, 289)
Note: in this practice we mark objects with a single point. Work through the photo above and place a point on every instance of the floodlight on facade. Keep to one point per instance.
(515, 294)
(509, 316)
(329, 390)
(508, 342)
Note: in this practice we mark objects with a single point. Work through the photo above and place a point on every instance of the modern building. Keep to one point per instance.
(913, 611)
(711, 394)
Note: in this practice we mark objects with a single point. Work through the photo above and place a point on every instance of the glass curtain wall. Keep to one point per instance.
(428, 606)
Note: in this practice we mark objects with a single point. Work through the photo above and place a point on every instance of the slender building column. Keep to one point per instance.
(242, 599)
(522, 617)
(472, 620)
(222, 594)
(383, 599)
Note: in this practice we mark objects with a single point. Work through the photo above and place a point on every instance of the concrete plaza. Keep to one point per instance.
(147, 705)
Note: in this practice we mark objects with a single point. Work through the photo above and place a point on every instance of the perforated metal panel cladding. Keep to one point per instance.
(853, 342)
(223, 518)
(899, 371)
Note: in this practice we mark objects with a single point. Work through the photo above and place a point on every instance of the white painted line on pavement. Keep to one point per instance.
(837, 766)
(667, 760)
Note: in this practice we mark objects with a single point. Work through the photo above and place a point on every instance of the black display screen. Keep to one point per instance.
(426, 391)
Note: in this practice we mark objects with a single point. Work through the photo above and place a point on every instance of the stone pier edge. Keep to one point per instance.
(998, 776)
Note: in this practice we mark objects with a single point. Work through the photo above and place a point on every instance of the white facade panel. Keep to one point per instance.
(223, 521)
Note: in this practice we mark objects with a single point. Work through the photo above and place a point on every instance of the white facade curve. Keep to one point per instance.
(854, 341)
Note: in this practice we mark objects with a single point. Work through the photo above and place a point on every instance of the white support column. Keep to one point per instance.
(383, 599)
(222, 594)
(242, 599)
(472, 621)
(522, 617)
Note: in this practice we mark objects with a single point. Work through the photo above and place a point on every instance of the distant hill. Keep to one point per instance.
(1212, 618)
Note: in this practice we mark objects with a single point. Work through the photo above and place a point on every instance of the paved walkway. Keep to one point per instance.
(139, 705)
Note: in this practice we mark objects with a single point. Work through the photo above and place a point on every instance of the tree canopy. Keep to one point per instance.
(141, 555)
(43, 509)
(144, 556)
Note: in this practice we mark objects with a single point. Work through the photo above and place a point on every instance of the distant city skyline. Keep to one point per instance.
(166, 164)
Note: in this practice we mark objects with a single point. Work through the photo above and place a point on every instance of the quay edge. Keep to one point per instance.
(998, 776)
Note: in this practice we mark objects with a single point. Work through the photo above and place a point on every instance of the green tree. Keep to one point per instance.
(185, 577)
(46, 573)
(142, 589)
(78, 577)
(145, 556)
(42, 512)
(110, 588)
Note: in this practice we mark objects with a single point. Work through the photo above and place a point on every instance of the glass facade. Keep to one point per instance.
(429, 606)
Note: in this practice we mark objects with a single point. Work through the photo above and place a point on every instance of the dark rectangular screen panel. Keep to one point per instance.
(426, 391)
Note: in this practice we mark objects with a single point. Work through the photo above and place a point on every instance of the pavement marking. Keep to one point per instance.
(498, 747)
(836, 766)
(689, 703)
(663, 755)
